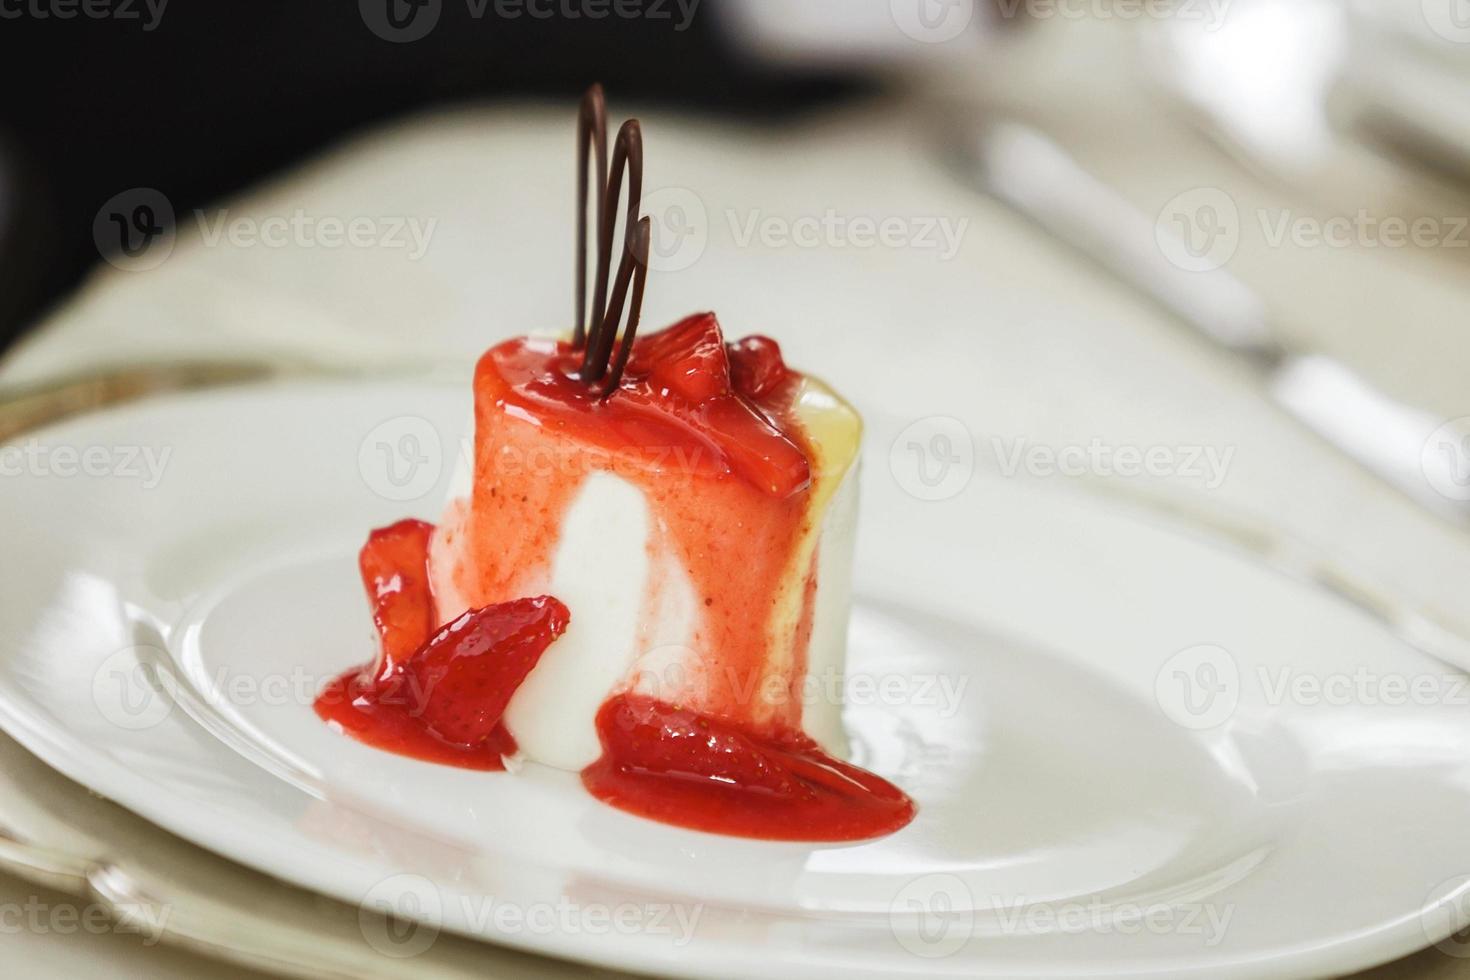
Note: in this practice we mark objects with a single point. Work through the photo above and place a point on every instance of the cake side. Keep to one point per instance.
(643, 570)
(692, 582)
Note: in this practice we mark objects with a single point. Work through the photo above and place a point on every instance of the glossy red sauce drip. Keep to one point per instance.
(443, 699)
(387, 721)
(707, 431)
(681, 390)
(395, 573)
(684, 768)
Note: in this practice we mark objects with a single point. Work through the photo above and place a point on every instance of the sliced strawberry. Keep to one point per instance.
(692, 360)
(758, 449)
(690, 770)
(461, 680)
(688, 358)
(756, 366)
(648, 736)
(394, 565)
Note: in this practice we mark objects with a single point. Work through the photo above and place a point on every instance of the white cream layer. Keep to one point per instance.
(634, 609)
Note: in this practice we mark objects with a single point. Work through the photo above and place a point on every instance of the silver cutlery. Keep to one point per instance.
(1424, 456)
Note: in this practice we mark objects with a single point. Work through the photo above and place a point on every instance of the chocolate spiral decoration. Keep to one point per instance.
(591, 133)
(596, 330)
(634, 266)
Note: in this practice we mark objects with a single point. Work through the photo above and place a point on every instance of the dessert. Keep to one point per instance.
(642, 571)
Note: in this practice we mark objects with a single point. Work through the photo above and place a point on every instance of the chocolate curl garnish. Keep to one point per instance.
(627, 152)
(634, 266)
(591, 133)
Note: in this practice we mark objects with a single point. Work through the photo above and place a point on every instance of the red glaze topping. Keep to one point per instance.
(683, 768)
(707, 429)
(727, 478)
(472, 666)
(756, 367)
(386, 719)
(678, 392)
(395, 573)
(688, 360)
(442, 701)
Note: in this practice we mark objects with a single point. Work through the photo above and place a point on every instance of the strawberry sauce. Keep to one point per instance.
(683, 768)
(729, 464)
(708, 432)
(436, 695)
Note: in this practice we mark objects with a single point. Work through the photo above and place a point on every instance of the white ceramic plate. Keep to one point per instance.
(1107, 719)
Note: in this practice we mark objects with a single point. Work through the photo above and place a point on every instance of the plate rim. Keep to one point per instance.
(26, 720)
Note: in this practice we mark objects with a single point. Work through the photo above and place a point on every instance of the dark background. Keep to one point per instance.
(206, 98)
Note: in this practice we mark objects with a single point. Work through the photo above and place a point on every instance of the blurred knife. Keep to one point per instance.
(1424, 456)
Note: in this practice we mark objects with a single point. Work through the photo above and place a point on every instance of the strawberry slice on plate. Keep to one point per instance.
(464, 676)
(395, 572)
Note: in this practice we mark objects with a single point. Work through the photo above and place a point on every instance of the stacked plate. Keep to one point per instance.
(1138, 743)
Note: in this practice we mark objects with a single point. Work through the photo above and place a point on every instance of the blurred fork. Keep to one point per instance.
(1425, 457)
